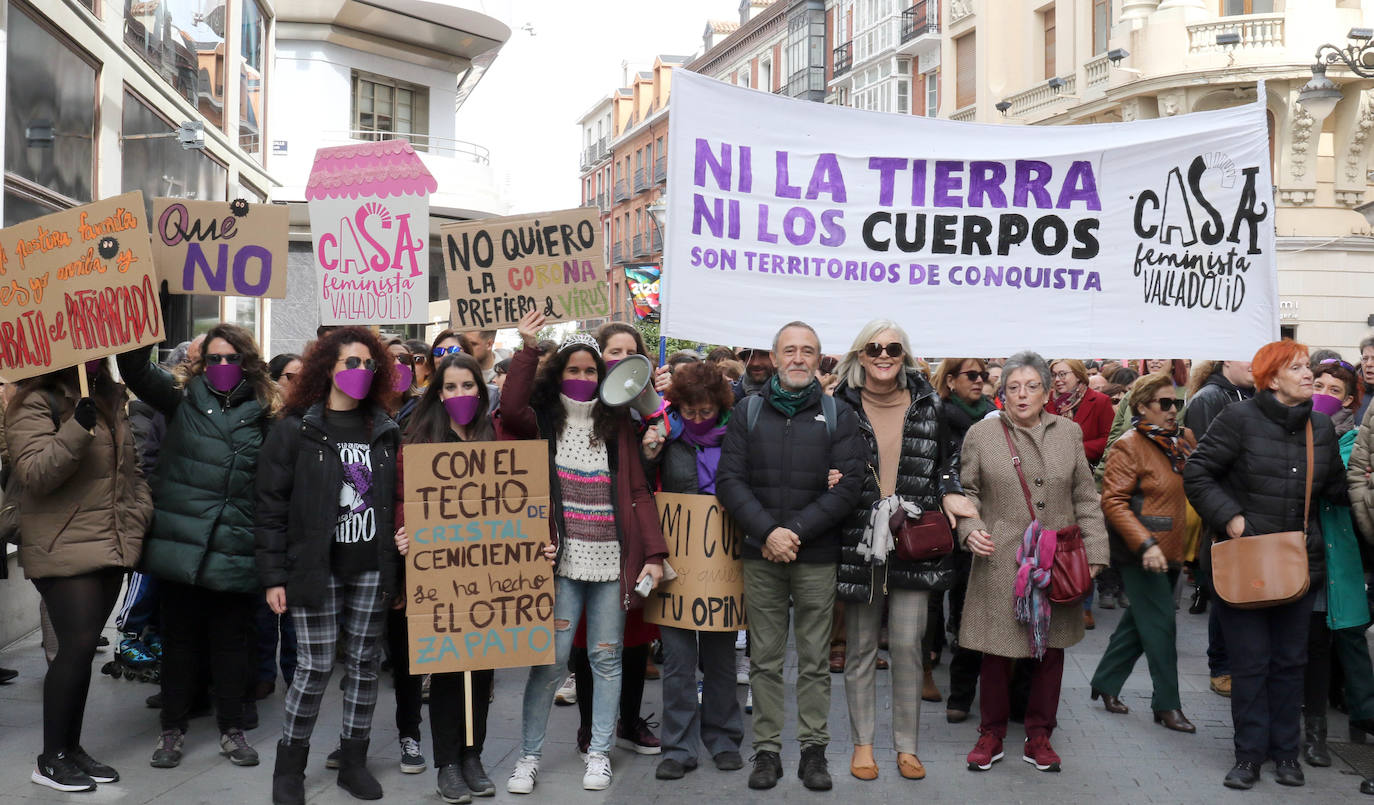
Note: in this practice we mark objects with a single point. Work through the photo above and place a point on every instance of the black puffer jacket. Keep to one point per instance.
(298, 483)
(1253, 462)
(927, 471)
(1216, 393)
(776, 476)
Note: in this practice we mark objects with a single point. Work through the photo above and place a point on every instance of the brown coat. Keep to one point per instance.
(1136, 466)
(85, 505)
(1062, 487)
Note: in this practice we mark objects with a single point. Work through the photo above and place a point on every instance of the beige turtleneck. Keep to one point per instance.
(887, 414)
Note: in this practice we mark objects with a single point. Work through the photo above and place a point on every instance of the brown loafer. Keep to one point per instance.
(1174, 720)
(837, 659)
(1113, 704)
(863, 768)
(929, 691)
(910, 766)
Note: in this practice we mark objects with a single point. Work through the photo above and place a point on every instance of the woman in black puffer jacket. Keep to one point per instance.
(1248, 477)
(908, 452)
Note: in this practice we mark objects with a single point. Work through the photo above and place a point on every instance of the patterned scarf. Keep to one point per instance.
(787, 401)
(1065, 404)
(1168, 441)
(1035, 557)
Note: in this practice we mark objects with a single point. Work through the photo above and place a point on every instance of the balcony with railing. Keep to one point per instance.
(1098, 72)
(921, 19)
(805, 80)
(640, 248)
(641, 180)
(1257, 32)
(601, 201)
(656, 241)
(661, 170)
(1042, 99)
(844, 58)
(617, 252)
(622, 192)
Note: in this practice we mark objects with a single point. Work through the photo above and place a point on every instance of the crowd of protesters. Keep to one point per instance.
(255, 509)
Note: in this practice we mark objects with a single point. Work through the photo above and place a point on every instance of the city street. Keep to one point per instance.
(1107, 758)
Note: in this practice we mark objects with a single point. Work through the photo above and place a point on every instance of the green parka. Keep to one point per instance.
(203, 488)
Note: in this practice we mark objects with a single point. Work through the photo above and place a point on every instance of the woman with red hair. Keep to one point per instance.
(1248, 477)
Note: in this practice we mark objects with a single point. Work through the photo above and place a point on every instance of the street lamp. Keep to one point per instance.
(1320, 95)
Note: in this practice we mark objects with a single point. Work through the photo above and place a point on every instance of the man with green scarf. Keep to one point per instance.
(772, 479)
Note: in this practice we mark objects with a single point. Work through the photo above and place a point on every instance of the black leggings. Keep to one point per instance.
(78, 606)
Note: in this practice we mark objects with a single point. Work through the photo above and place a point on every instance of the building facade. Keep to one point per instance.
(1096, 61)
(886, 55)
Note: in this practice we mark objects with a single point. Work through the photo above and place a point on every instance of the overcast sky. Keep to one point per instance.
(526, 107)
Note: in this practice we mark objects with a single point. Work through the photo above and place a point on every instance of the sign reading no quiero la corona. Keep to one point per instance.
(76, 286)
(499, 269)
(479, 590)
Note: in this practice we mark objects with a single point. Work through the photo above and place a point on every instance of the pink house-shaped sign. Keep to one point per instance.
(369, 223)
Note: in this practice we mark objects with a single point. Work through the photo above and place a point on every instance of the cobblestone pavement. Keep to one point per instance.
(1107, 758)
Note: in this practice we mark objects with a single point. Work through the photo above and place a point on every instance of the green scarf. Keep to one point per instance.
(789, 402)
(983, 408)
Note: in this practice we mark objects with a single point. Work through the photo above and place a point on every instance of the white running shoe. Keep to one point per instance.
(741, 670)
(741, 640)
(598, 776)
(522, 778)
(567, 692)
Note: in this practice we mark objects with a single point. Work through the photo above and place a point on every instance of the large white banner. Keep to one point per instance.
(1152, 238)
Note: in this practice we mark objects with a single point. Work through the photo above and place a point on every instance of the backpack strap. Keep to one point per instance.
(831, 414)
(753, 406)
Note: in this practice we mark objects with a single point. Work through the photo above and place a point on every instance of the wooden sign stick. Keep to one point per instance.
(81, 378)
(467, 705)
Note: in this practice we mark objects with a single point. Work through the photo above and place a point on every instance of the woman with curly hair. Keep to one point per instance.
(325, 493)
(604, 527)
(200, 548)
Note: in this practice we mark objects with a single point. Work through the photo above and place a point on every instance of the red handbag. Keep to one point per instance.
(918, 539)
(1071, 578)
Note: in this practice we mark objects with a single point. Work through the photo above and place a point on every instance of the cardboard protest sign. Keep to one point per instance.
(704, 550)
(479, 590)
(76, 286)
(219, 248)
(1154, 237)
(369, 222)
(499, 269)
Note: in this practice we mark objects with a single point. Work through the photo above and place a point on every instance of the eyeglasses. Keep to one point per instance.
(353, 362)
(1169, 403)
(216, 358)
(1339, 363)
(1029, 388)
(975, 375)
(440, 352)
(1061, 375)
(893, 350)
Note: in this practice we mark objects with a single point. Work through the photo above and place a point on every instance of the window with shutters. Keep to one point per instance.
(1047, 20)
(965, 78)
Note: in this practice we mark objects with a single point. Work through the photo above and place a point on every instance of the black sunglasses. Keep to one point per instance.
(893, 350)
(1169, 403)
(440, 352)
(974, 375)
(216, 358)
(353, 362)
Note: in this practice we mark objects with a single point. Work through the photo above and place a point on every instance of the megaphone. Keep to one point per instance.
(631, 382)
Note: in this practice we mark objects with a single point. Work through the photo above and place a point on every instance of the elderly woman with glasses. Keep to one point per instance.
(910, 453)
(1005, 620)
(1143, 500)
(1073, 399)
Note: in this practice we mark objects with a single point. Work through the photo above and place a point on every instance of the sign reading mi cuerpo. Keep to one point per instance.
(479, 590)
(704, 551)
(499, 269)
(76, 286)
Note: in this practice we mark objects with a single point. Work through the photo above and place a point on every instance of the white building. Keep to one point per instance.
(885, 55)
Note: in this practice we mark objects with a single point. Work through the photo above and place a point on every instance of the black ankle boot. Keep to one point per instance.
(353, 774)
(1314, 749)
(288, 777)
(1199, 603)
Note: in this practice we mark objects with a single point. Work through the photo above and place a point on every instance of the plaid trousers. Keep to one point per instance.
(355, 605)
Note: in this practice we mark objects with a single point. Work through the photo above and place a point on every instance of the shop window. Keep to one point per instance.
(183, 40)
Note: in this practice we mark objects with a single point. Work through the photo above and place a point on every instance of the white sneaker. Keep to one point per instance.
(522, 778)
(741, 640)
(567, 692)
(749, 701)
(598, 776)
(741, 670)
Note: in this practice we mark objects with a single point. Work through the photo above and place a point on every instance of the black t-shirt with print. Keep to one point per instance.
(354, 550)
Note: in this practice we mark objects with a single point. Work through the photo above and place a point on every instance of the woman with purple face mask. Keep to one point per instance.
(604, 530)
(455, 407)
(201, 545)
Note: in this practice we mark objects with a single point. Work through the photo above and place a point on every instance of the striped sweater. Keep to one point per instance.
(591, 551)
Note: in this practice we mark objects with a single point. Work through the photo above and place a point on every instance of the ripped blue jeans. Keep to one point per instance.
(605, 631)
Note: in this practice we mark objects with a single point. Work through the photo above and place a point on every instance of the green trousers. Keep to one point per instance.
(768, 586)
(1147, 627)
(1352, 651)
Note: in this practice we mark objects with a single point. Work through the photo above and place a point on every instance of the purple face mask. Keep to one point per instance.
(610, 363)
(1325, 404)
(580, 390)
(462, 409)
(223, 376)
(356, 383)
(404, 377)
(700, 428)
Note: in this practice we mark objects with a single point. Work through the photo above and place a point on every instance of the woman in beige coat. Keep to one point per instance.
(82, 514)
(1062, 489)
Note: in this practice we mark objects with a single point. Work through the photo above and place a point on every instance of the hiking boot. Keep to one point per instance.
(767, 770)
(233, 745)
(98, 771)
(598, 776)
(60, 773)
(451, 787)
(986, 752)
(412, 762)
(639, 738)
(167, 755)
(1040, 754)
(812, 770)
